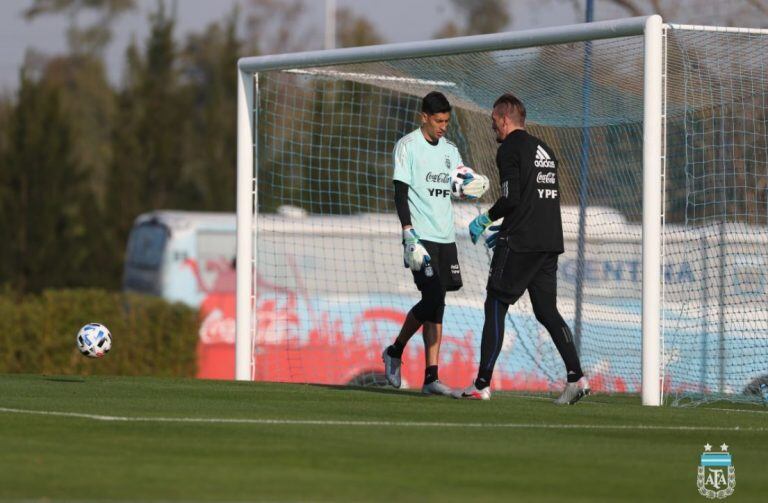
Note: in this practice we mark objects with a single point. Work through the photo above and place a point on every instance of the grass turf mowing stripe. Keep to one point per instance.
(416, 424)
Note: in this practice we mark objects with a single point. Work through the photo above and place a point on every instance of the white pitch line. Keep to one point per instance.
(396, 424)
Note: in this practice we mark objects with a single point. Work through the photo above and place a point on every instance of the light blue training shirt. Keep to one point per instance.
(426, 169)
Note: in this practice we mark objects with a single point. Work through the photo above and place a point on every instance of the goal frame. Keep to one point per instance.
(652, 30)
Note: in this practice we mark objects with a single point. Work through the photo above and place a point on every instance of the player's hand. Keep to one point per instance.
(415, 255)
(490, 240)
(474, 186)
(478, 226)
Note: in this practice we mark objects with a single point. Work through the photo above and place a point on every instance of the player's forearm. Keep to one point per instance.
(510, 198)
(501, 209)
(401, 203)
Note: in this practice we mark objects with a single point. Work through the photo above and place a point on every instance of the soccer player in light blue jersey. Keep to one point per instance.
(424, 160)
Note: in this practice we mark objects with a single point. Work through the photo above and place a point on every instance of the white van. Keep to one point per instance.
(180, 255)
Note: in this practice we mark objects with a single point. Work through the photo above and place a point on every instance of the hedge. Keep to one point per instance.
(149, 335)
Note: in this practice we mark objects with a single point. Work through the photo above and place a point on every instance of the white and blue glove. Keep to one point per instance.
(415, 255)
(474, 186)
(478, 226)
(490, 240)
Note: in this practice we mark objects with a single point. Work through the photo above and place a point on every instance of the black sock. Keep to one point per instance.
(430, 374)
(563, 340)
(482, 382)
(396, 349)
(574, 376)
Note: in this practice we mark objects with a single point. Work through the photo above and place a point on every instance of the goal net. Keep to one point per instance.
(329, 288)
(715, 310)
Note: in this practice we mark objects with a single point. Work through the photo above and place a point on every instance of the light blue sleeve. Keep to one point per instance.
(402, 159)
(457, 161)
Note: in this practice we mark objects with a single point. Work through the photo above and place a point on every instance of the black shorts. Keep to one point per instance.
(512, 273)
(443, 266)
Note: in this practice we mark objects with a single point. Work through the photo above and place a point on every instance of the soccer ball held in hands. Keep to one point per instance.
(466, 184)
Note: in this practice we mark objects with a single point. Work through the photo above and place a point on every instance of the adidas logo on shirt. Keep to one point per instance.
(542, 159)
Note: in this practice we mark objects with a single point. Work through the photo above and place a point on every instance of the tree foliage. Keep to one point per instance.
(148, 140)
(476, 17)
(354, 30)
(44, 208)
(745, 13)
(90, 39)
(81, 157)
(88, 103)
(208, 62)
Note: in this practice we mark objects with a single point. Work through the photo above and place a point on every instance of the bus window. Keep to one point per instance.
(144, 258)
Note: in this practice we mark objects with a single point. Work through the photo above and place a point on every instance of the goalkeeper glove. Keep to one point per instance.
(415, 255)
(478, 226)
(490, 241)
(474, 186)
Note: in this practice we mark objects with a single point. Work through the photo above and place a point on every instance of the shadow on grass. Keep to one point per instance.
(64, 379)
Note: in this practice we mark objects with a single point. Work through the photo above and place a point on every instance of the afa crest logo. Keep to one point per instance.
(717, 475)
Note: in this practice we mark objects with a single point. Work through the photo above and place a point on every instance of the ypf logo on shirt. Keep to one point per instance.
(439, 178)
(548, 193)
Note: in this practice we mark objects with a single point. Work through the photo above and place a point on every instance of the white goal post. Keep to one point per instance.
(268, 92)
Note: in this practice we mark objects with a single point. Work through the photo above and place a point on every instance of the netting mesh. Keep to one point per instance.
(716, 293)
(332, 292)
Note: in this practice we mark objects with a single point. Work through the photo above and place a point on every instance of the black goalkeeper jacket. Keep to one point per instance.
(530, 194)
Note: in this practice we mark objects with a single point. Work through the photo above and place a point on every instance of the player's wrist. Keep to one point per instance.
(478, 225)
(410, 236)
(483, 220)
(414, 253)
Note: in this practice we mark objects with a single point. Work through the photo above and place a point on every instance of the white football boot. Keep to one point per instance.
(391, 368)
(573, 392)
(472, 393)
(436, 388)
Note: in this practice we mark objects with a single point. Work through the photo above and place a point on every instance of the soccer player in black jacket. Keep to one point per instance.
(526, 247)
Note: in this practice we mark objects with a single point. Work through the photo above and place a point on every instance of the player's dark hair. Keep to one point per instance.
(435, 103)
(509, 105)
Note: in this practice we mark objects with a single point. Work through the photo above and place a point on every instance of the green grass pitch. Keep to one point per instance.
(145, 439)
